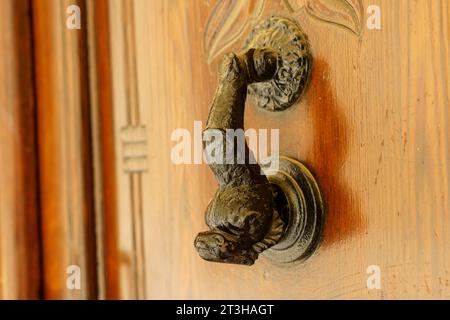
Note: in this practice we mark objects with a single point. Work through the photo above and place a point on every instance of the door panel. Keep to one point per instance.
(373, 127)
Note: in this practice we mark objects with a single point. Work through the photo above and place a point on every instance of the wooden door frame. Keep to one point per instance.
(20, 264)
(58, 151)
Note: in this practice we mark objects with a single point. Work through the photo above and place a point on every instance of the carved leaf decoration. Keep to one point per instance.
(228, 21)
(345, 13)
(294, 5)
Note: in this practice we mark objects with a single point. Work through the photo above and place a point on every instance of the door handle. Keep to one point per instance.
(257, 209)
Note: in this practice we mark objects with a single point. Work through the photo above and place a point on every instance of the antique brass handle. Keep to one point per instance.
(280, 214)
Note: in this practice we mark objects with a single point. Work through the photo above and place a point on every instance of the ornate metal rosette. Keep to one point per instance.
(300, 205)
(294, 65)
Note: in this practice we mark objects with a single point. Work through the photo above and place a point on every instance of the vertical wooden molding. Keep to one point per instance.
(19, 240)
(103, 149)
(129, 149)
(134, 138)
(119, 145)
(66, 182)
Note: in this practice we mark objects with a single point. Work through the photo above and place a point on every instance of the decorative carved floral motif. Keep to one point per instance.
(345, 13)
(229, 19)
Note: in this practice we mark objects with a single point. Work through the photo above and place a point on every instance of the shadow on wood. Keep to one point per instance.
(331, 136)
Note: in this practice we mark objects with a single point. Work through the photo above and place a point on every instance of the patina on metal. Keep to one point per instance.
(299, 201)
(250, 213)
(294, 63)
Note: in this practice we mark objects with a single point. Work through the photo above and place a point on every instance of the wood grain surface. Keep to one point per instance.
(65, 159)
(19, 241)
(373, 127)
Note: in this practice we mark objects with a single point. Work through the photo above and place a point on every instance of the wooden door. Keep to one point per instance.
(87, 178)
(373, 127)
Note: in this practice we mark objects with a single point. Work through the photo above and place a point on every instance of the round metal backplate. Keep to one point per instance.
(294, 64)
(303, 210)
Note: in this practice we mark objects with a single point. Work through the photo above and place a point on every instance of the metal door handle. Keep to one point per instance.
(280, 214)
